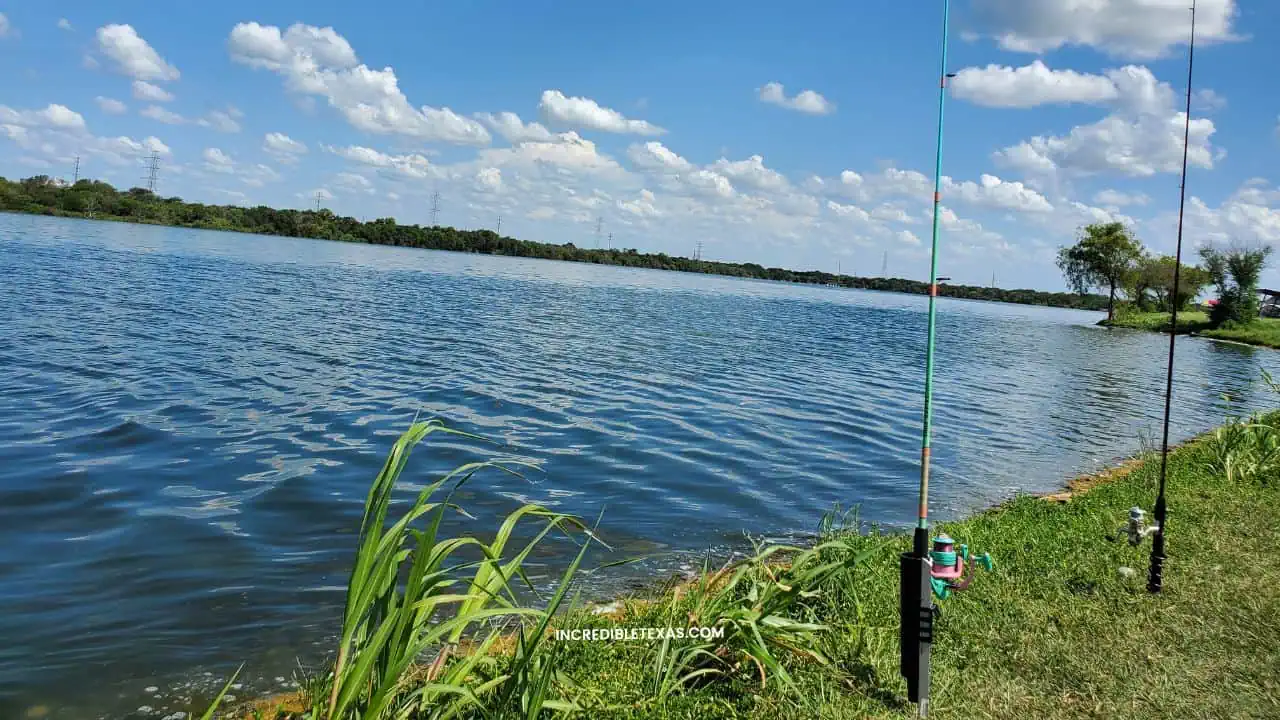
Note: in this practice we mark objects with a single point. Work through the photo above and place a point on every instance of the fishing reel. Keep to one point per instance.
(1136, 529)
(952, 571)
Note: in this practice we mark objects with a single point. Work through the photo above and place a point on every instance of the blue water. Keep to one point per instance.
(189, 421)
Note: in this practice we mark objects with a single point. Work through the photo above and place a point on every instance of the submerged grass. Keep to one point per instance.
(1064, 627)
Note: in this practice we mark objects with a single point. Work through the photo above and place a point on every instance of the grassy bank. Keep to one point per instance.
(1264, 332)
(1062, 628)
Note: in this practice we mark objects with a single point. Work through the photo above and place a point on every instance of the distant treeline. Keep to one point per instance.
(93, 199)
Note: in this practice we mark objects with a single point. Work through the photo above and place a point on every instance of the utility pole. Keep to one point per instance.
(75, 175)
(153, 171)
(435, 208)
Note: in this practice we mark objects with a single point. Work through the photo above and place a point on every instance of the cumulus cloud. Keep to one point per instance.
(222, 120)
(806, 101)
(1029, 86)
(54, 116)
(143, 90)
(1139, 146)
(133, 56)
(111, 106)
(1130, 28)
(6, 28)
(285, 148)
(1115, 198)
(585, 113)
(513, 129)
(64, 24)
(489, 178)
(217, 161)
(750, 173)
(411, 165)
(319, 62)
(159, 114)
(654, 156)
(991, 191)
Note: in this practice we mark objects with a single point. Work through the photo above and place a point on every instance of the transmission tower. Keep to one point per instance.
(499, 225)
(317, 201)
(75, 174)
(435, 207)
(610, 245)
(884, 266)
(599, 224)
(153, 171)
(697, 255)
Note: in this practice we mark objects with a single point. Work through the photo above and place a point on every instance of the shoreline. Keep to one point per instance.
(1264, 333)
(658, 591)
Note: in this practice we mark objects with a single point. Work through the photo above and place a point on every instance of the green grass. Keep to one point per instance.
(1056, 631)
(1264, 332)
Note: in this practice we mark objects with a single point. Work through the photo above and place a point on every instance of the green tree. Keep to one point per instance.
(1235, 271)
(1150, 283)
(1104, 256)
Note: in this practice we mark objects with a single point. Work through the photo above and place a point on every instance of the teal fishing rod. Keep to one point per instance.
(916, 589)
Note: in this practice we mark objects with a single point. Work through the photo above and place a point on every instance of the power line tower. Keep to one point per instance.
(153, 171)
(318, 198)
(75, 174)
(884, 266)
(610, 245)
(599, 224)
(697, 255)
(993, 279)
(435, 208)
(499, 231)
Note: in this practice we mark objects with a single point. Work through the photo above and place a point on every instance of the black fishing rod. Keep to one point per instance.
(1155, 579)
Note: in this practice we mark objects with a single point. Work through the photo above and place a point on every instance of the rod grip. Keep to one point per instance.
(916, 625)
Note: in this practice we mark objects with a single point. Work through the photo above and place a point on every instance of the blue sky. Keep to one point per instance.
(666, 120)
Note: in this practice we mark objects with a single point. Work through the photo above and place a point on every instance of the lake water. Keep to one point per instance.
(189, 422)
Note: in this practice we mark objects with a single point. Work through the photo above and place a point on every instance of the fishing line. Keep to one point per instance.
(1155, 579)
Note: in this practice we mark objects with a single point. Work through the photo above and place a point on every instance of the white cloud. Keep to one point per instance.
(64, 24)
(653, 155)
(58, 117)
(1207, 101)
(354, 181)
(751, 173)
(806, 101)
(489, 179)
(132, 55)
(906, 237)
(159, 114)
(708, 183)
(1137, 147)
(6, 29)
(111, 106)
(991, 191)
(1115, 198)
(320, 62)
(581, 112)
(285, 148)
(217, 161)
(1029, 86)
(143, 90)
(1133, 28)
(513, 129)
(222, 121)
(570, 152)
(641, 207)
(412, 165)
(852, 211)
(892, 213)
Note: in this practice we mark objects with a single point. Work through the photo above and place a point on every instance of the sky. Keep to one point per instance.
(799, 135)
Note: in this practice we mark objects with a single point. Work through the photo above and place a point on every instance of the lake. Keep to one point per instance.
(189, 422)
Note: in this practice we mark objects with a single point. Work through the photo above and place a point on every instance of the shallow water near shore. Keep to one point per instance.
(189, 421)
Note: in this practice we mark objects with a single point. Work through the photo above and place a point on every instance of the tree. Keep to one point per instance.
(1103, 257)
(1236, 272)
(1150, 283)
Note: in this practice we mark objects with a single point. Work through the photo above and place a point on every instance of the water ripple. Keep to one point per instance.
(189, 420)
